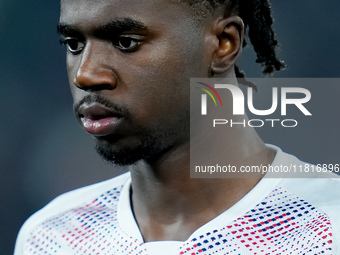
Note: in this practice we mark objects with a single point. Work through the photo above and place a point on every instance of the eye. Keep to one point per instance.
(73, 45)
(126, 43)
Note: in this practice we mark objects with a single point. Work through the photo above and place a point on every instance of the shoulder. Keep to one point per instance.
(306, 180)
(322, 194)
(310, 183)
(69, 200)
(79, 196)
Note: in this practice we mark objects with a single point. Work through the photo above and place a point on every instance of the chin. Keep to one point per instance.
(128, 154)
(122, 157)
(129, 150)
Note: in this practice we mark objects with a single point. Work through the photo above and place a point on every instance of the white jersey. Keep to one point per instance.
(278, 216)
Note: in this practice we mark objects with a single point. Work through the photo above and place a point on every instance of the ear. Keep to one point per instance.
(229, 32)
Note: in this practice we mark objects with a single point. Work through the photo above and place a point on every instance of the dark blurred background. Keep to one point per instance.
(44, 152)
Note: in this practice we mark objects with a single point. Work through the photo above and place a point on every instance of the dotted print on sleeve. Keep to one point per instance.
(281, 224)
(90, 229)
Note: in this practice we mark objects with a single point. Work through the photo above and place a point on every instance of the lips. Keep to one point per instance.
(98, 120)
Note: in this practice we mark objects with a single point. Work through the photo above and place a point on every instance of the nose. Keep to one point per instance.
(94, 71)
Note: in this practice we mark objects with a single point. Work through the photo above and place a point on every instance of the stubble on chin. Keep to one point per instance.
(150, 145)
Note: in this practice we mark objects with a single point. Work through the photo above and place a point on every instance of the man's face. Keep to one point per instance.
(129, 63)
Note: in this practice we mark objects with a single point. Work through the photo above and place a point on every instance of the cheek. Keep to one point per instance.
(160, 79)
(157, 98)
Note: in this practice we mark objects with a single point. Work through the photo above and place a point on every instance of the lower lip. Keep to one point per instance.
(100, 127)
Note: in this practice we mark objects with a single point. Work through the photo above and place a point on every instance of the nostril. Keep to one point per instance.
(96, 87)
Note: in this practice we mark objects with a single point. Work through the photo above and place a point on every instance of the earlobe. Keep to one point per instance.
(229, 32)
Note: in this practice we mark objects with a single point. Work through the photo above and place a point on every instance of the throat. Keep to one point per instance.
(174, 215)
(176, 231)
(169, 205)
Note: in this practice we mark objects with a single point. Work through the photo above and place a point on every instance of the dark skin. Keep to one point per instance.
(145, 70)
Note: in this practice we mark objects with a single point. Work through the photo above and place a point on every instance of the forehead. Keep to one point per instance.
(98, 12)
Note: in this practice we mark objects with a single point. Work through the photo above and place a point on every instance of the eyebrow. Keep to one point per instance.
(105, 31)
(67, 30)
(118, 27)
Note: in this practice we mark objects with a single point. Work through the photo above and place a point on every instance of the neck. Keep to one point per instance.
(169, 205)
